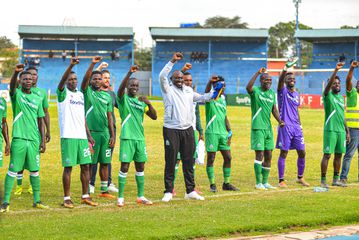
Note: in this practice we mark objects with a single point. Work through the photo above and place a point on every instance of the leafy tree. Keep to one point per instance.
(348, 27)
(8, 51)
(224, 22)
(143, 58)
(282, 41)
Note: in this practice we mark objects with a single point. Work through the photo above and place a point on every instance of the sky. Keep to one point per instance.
(142, 14)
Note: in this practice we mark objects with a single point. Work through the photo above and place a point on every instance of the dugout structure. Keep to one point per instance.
(53, 46)
(329, 46)
(235, 54)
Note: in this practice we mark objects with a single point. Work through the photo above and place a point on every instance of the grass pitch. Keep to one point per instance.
(248, 212)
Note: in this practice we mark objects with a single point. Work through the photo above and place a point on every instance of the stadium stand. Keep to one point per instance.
(329, 46)
(234, 54)
(115, 45)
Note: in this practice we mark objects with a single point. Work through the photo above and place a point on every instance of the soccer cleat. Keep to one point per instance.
(5, 207)
(302, 182)
(167, 197)
(144, 201)
(337, 183)
(213, 188)
(106, 195)
(193, 196)
(229, 187)
(18, 191)
(68, 204)
(268, 186)
(323, 184)
(112, 188)
(29, 190)
(260, 186)
(344, 182)
(92, 188)
(40, 205)
(120, 202)
(88, 201)
(282, 184)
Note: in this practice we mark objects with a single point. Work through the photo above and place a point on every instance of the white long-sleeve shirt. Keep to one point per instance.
(179, 107)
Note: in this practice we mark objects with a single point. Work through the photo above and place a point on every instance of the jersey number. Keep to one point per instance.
(87, 152)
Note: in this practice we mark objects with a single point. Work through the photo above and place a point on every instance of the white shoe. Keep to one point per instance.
(260, 186)
(112, 188)
(167, 197)
(92, 189)
(120, 202)
(193, 195)
(268, 186)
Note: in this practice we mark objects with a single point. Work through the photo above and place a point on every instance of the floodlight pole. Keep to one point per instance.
(297, 42)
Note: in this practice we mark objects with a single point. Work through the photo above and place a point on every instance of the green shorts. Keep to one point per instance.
(102, 150)
(262, 139)
(216, 142)
(334, 142)
(195, 155)
(132, 150)
(24, 154)
(74, 152)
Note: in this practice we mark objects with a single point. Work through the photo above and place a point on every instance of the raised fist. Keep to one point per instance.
(134, 68)
(339, 65)
(103, 65)
(187, 67)
(177, 56)
(262, 70)
(354, 64)
(96, 59)
(74, 61)
(19, 67)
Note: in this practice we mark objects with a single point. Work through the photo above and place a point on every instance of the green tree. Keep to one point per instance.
(143, 58)
(224, 22)
(282, 42)
(348, 27)
(8, 51)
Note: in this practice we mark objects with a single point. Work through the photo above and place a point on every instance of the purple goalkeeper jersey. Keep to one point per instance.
(288, 103)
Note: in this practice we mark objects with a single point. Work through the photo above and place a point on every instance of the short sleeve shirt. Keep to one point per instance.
(131, 112)
(334, 112)
(97, 105)
(262, 103)
(352, 97)
(42, 94)
(216, 112)
(27, 108)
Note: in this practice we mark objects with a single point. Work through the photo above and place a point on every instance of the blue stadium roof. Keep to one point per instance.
(328, 34)
(209, 33)
(74, 32)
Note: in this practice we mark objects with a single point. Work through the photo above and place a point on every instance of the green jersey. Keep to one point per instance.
(216, 112)
(262, 103)
(352, 97)
(97, 105)
(131, 111)
(334, 112)
(42, 94)
(26, 108)
(3, 111)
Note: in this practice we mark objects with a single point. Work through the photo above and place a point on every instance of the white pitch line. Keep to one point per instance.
(257, 192)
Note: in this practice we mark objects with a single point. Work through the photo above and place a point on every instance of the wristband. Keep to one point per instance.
(229, 134)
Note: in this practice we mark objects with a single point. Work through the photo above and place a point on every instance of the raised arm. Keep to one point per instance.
(349, 84)
(5, 133)
(166, 70)
(290, 63)
(251, 82)
(86, 80)
(123, 85)
(186, 67)
(102, 66)
(66, 74)
(13, 82)
(151, 110)
(332, 78)
(210, 82)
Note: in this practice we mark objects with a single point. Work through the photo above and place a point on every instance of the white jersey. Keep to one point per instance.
(71, 108)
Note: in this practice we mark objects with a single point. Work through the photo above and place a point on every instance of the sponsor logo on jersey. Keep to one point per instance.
(76, 102)
(341, 103)
(265, 99)
(294, 99)
(26, 101)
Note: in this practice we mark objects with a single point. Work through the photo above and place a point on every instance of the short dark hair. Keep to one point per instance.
(186, 74)
(95, 72)
(72, 72)
(31, 68)
(105, 71)
(24, 73)
(337, 77)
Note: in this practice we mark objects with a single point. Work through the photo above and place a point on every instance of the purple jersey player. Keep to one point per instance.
(290, 136)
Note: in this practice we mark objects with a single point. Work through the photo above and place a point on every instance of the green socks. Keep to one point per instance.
(210, 174)
(9, 183)
(35, 183)
(140, 181)
(19, 179)
(226, 174)
(104, 186)
(258, 171)
(121, 183)
(265, 174)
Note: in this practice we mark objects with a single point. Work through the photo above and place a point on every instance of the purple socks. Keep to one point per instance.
(281, 167)
(301, 166)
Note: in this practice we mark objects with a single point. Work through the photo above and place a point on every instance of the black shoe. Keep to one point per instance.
(5, 207)
(229, 187)
(213, 188)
